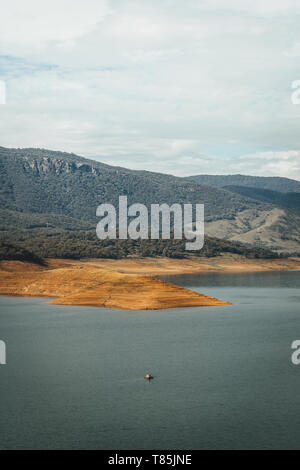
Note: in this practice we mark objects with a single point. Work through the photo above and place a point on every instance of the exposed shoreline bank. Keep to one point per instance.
(164, 266)
(88, 284)
(128, 284)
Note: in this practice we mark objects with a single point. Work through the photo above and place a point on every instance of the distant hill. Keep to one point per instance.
(47, 196)
(284, 185)
(289, 200)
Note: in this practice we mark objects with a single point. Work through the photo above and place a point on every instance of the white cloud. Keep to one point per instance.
(183, 87)
(28, 26)
(285, 164)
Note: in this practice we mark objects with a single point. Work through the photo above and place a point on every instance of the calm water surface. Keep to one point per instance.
(223, 376)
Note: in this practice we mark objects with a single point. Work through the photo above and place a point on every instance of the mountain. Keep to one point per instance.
(277, 229)
(284, 185)
(45, 182)
(289, 200)
(49, 196)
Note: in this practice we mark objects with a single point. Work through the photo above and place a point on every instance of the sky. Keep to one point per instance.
(182, 87)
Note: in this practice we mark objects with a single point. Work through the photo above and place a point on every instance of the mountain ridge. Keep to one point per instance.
(39, 173)
(289, 200)
(273, 183)
(64, 190)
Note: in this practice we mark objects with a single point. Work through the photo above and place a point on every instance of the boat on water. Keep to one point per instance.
(149, 377)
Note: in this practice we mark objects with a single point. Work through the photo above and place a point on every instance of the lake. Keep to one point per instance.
(223, 375)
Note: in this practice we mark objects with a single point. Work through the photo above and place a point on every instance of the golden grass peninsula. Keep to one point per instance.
(93, 284)
(128, 284)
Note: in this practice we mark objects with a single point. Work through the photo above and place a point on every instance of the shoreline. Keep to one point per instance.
(84, 284)
(166, 266)
(129, 284)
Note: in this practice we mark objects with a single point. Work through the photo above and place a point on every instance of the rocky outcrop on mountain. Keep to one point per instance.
(47, 184)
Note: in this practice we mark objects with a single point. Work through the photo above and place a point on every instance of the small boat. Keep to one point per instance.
(149, 377)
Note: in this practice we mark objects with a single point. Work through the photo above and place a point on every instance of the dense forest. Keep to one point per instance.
(9, 251)
(76, 245)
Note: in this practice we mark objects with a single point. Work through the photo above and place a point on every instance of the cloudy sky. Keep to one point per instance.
(184, 87)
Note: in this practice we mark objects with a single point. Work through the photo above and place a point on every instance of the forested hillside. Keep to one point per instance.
(284, 185)
(49, 199)
(44, 182)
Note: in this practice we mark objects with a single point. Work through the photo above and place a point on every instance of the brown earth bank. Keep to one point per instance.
(168, 266)
(93, 283)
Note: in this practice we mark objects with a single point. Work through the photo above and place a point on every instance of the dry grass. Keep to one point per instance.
(89, 284)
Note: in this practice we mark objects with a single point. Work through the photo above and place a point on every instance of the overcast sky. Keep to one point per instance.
(184, 87)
